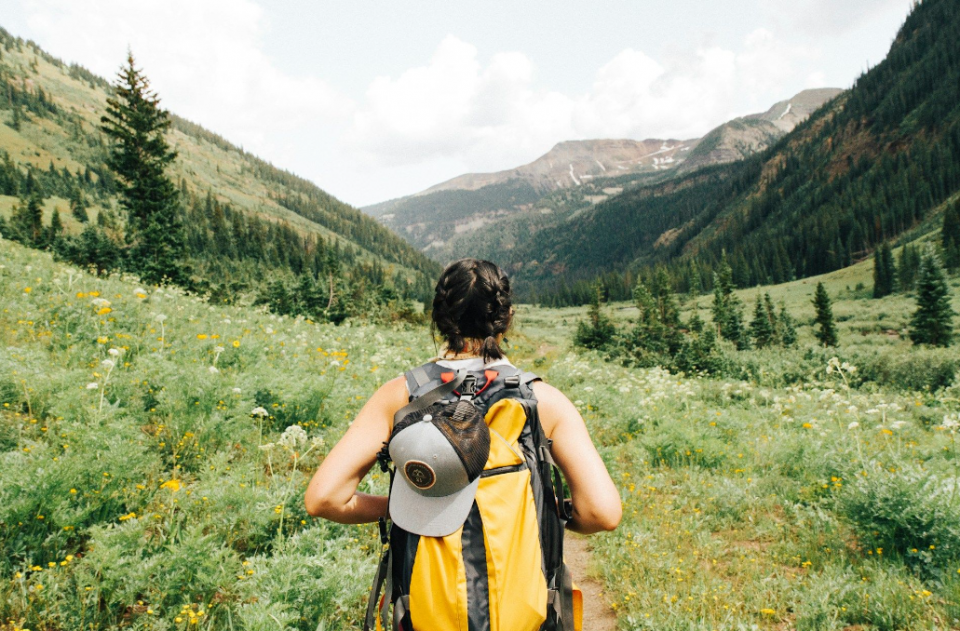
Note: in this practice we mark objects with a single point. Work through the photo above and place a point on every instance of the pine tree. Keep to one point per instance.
(774, 321)
(727, 308)
(761, 328)
(932, 322)
(27, 220)
(78, 205)
(908, 266)
(884, 274)
(827, 333)
(788, 330)
(598, 330)
(136, 124)
(55, 231)
(950, 236)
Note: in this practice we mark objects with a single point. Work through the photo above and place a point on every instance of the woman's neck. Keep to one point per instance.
(471, 349)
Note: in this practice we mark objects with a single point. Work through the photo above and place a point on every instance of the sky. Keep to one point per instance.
(377, 99)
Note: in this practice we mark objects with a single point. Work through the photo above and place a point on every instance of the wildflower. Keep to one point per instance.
(768, 612)
(140, 293)
(853, 425)
(292, 437)
(259, 411)
(237, 390)
(213, 370)
(27, 290)
(173, 485)
(160, 317)
(218, 349)
(236, 343)
(108, 364)
(93, 385)
(201, 336)
(114, 352)
(267, 447)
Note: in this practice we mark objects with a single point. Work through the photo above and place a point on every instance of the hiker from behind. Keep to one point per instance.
(476, 506)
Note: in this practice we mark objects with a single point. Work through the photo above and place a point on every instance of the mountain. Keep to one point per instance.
(248, 223)
(878, 162)
(745, 136)
(448, 220)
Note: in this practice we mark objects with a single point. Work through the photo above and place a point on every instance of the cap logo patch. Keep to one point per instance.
(420, 474)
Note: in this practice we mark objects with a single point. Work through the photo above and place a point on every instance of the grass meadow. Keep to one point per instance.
(154, 450)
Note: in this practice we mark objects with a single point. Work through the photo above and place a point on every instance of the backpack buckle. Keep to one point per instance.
(513, 381)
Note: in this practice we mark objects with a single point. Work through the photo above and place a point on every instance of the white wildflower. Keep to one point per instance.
(213, 370)
(108, 364)
(100, 303)
(853, 425)
(93, 385)
(237, 390)
(292, 437)
(259, 411)
(218, 349)
(114, 352)
(267, 447)
(160, 317)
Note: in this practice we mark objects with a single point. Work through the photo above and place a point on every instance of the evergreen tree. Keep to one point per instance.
(774, 321)
(27, 220)
(761, 328)
(932, 322)
(598, 330)
(884, 274)
(139, 155)
(55, 232)
(908, 267)
(78, 205)
(950, 236)
(727, 308)
(788, 331)
(827, 332)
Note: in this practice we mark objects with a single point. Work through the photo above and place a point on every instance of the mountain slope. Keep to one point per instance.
(49, 117)
(450, 219)
(873, 163)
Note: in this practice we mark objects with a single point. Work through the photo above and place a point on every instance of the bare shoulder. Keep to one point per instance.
(555, 408)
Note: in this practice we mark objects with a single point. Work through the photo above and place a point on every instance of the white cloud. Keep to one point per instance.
(830, 17)
(204, 58)
(492, 116)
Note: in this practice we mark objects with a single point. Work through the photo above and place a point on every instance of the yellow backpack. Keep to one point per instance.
(503, 569)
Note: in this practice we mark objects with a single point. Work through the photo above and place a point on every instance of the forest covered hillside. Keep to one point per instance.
(249, 225)
(875, 163)
(477, 214)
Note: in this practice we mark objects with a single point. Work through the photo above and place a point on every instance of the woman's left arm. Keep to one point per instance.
(332, 492)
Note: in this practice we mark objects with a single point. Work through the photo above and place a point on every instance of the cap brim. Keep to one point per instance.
(430, 516)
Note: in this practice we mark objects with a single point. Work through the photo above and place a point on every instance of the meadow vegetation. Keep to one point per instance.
(155, 449)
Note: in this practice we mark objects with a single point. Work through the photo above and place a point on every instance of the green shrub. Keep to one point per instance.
(908, 512)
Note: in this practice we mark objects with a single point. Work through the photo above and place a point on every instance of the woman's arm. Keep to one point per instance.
(332, 493)
(596, 502)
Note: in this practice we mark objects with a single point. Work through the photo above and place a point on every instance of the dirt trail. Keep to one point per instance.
(597, 613)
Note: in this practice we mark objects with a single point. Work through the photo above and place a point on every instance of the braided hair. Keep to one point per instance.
(472, 300)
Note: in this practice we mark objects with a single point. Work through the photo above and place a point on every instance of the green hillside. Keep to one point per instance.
(248, 221)
(874, 163)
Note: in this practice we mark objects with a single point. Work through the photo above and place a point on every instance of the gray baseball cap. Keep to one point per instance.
(439, 453)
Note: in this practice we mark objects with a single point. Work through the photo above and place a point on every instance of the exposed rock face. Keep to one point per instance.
(572, 162)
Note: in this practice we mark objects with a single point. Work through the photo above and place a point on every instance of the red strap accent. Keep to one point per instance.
(446, 377)
(490, 375)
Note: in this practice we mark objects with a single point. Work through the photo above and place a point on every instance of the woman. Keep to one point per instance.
(471, 312)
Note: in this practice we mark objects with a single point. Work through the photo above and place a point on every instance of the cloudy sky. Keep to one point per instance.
(375, 99)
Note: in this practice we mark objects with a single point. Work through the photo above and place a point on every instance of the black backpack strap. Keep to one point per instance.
(382, 576)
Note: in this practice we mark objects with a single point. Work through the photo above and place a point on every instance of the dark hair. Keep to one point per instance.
(472, 300)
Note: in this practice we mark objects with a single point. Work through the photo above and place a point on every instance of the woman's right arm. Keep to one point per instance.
(596, 501)
(332, 492)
